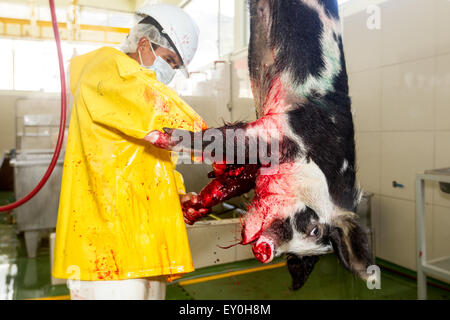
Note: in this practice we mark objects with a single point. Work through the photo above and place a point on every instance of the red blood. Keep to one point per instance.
(274, 102)
(219, 169)
(262, 252)
(275, 199)
(248, 237)
(115, 263)
(231, 182)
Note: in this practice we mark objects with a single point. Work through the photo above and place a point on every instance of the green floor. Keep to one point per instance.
(24, 278)
(329, 281)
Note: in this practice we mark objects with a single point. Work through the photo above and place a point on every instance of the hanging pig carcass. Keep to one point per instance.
(305, 189)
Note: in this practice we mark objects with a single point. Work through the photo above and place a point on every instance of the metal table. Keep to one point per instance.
(438, 267)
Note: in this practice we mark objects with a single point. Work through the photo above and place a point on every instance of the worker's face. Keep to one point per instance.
(148, 58)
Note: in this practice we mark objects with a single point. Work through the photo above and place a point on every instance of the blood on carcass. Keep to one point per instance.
(226, 185)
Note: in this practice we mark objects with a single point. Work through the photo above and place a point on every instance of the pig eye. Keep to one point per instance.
(314, 232)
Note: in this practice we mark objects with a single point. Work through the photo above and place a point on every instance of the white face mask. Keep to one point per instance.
(163, 70)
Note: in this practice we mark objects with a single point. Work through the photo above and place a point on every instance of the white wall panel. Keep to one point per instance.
(407, 30)
(408, 96)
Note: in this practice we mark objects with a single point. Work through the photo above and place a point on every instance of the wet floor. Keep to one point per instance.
(25, 278)
(329, 281)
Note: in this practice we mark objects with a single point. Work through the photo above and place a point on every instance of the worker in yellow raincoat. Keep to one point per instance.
(120, 232)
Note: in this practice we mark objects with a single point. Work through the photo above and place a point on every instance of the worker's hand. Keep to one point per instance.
(191, 210)
(159, 139)
(171, 139)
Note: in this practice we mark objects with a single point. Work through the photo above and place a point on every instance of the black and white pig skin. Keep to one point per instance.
(305, 206)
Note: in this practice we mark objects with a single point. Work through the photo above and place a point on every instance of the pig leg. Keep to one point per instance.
(241, 143)
(227, 185)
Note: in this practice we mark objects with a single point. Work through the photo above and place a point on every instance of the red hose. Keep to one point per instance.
(62, 124)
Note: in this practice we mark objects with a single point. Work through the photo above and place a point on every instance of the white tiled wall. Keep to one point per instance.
(442, 91)
(403, 154)
(407, 30)
(361, 55)
(366, 89)
(397, 231)
(408, 96)
(369, 160)
(399, 80)
(442, 26)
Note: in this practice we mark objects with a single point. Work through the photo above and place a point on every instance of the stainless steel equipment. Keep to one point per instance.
(439, 267)
(444, 186)
(38, 216)
(37, 126)
(37, 122)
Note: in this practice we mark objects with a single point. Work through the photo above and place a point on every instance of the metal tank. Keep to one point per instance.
(37, 217)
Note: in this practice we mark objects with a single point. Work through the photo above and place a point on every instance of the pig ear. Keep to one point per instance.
(350, 244)
(300, 269)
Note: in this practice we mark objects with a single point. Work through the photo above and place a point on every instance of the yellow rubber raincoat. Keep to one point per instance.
(119, 213)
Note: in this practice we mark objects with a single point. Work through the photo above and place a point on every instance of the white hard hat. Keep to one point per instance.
(178, 26)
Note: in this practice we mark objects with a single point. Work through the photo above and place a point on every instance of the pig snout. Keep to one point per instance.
(264, 249)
